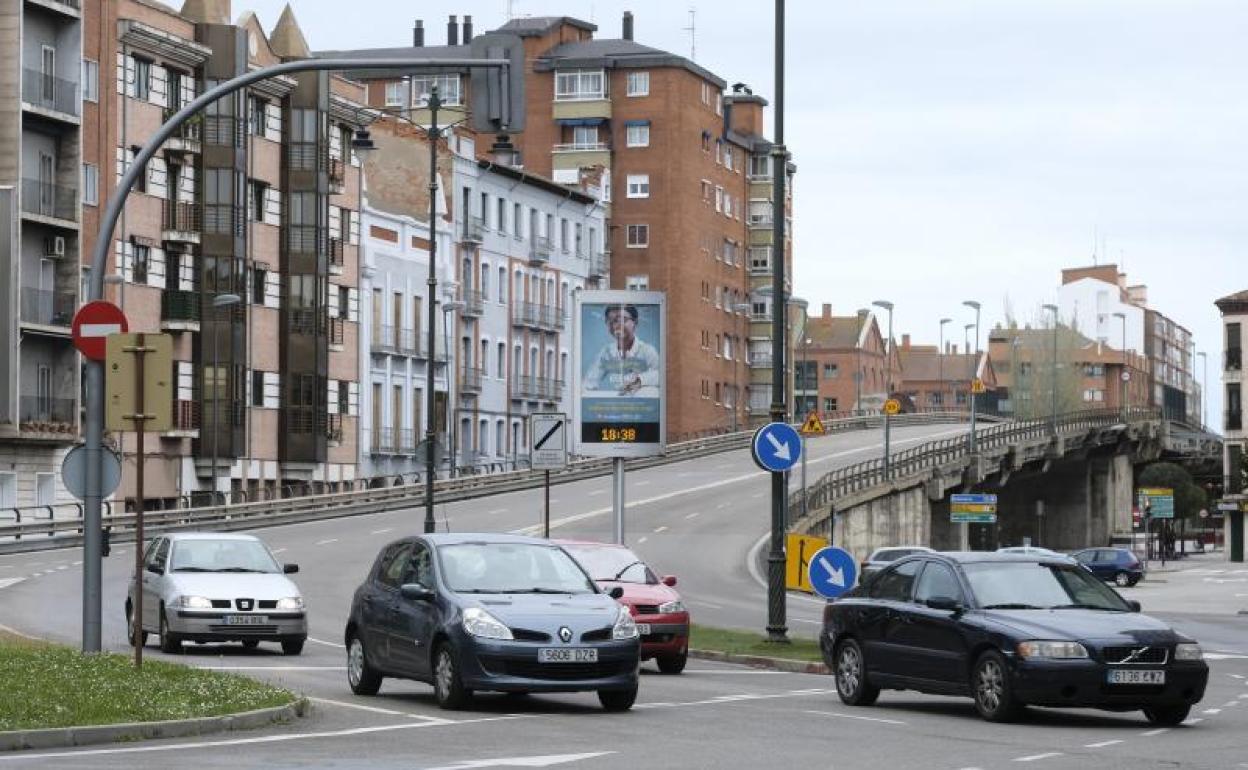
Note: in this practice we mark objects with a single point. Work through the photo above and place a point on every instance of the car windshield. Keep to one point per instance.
(511, 568)
(223, 555)
(612, 563)
(1039, 585)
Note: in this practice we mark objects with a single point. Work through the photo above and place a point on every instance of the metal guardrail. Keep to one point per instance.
(380, 494)
(871, 473)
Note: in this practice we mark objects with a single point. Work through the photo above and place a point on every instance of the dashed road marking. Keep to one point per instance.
(657, 530)
(1101, 745)
(6, 582)
(279, 550)
(327, 542)
(641, 540)
(1192, 721)
(381, 531)
(856, 716)
(1038, 757)
(597, 492)
(642, 483)
(693, 515)
(63, 566)
(497, 511)
(77, 564)
(1158, 731)
(327, 644)
(379, 710)
(1212, 711)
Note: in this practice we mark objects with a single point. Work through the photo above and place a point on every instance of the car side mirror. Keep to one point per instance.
(155, 569)
(946, 603)
(616, 592)
(669, 580)
(290, 569)
(415, 592)
(1133, 605)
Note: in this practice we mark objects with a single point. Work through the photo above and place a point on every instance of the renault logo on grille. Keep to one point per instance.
(244, 604)
(565, 634)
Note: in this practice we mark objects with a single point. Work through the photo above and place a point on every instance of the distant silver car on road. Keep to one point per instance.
(217, 587)
(1032, 550)
(882, 557)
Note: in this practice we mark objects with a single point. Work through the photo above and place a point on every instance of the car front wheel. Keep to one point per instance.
(170, 642)
(448, 688)
(1122, 579)
(618, 700)
(362, 677)
(994, 695)
(851, 676)
(672, 664)
(1167, 716)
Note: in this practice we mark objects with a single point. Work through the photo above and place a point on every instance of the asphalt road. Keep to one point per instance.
(699, 520)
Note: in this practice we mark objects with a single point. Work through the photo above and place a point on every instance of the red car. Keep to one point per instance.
(661, 617)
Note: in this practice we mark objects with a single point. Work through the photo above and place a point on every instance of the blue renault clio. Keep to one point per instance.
(488, 612)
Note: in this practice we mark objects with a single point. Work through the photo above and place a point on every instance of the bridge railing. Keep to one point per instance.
(933, 454)
(373, 495)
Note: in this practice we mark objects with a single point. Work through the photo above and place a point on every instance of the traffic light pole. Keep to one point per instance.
(92, 567)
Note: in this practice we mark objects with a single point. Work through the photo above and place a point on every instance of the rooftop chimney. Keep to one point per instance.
(905, 342)
(467, 30)
(628, 25)
(452, 31)
(418, 34)
(827, 310)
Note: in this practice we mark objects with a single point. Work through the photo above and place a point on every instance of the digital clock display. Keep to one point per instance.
(619, 433)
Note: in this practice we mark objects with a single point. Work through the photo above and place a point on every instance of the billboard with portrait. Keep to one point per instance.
(619, 403)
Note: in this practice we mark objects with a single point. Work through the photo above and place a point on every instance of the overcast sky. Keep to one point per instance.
(964, 149)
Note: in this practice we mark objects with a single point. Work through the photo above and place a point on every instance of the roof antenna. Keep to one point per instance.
(692, 29)
(1096, 240)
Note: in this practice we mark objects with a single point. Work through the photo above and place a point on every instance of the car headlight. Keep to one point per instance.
(1053, 650)
(480, 623)
(196, 603)
(1188, 652)
(290, 603)
(670, 607)
(625, 627)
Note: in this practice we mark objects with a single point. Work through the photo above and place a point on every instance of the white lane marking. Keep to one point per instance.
(1230, 703)
(721, 506)
(1038, 757)
(1193, 721)
(1101, 745)
(1158, 731)
(693, 515)
(657, 530)
(77, 564)
(327, 542)
(500, 510)
(381, 531)
(642, 483)
(546, 761)
(641, 540)
(1236, 676)
(1224, 656)
(1212, 711)
(279, 550)
(597, 492)
(734, 672)
(378, 710)
(262, 739)
(808, 620)
(327, 644)
(273, 668)
(63, 566)
(725, 699)
(756, 495)
(855, 716)
(711, 605)
(6, 582)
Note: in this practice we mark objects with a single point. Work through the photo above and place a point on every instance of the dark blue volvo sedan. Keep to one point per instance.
(489, 612)
(1009, 631)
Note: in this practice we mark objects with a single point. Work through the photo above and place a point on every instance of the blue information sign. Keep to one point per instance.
(832, 571)
(777, 447)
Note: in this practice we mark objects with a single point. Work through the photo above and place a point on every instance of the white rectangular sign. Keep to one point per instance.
(548, 437)
(620, 387)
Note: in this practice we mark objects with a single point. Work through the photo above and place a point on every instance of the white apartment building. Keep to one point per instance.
(1234, 310)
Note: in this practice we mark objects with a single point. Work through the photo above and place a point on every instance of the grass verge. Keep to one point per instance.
(749, 643)
(48, 685)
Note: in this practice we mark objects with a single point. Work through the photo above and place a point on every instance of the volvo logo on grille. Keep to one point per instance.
(565, 634)
(244, 604)
(1135, 655)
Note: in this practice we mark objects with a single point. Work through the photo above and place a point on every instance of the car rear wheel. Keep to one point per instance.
(990, 683)
(618, 700)
(851, 676)
(1122, 579)
(130, 627)
(1167, 716)
(673, 664)
(292, 646)
(362, 677)
(448, 688)
(170, 642)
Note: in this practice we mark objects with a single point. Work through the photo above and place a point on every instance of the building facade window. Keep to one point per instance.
(394, 94)
(639, 84)
(639, 185)
(637, 135)
(90, 184)
(90, 80)
(638, 236)
(640, 283)
(448, 89)
(579, 85)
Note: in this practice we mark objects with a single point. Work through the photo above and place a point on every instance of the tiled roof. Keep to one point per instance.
(835, 332)
(926, 365)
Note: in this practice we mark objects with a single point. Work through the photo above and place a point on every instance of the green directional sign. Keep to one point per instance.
(1157, 502)
(973, 509)
(973, 518)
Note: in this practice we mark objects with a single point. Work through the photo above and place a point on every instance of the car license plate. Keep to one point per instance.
(1151, 676)
(643, 629)
(246, 620)
(567, 655)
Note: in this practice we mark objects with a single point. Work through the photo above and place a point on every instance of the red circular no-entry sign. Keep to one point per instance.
(93, 323)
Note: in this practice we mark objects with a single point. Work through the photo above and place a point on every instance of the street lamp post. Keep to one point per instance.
(741, 308)
(1053, 377)
(218, 302)
(940, 358)
(888, 383)
(805, 388)
(449, 307)
(1125, 374)
(1204, 390)
(974, 371)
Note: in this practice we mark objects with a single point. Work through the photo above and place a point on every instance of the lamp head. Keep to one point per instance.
(944, 321)
(225, 300)
(972, 304)
(884, 304)
(362, 142)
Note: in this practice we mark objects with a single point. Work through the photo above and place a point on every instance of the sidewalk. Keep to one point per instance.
(1207, 559)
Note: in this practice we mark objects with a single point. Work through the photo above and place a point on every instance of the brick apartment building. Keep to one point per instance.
(844, 369)
(255, 202)
(679, 167)
(936, 379)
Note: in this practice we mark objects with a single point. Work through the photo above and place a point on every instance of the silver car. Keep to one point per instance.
(217, 587)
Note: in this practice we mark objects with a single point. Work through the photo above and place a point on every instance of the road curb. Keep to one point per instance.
(762, 661)
(62, 737)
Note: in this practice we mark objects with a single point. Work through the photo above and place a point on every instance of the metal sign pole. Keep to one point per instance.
(805, 504)
(617, 498)
(546, 519)
(139, 418)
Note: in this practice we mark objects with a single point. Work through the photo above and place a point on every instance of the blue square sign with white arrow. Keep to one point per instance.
(777, 447)
(832, 571)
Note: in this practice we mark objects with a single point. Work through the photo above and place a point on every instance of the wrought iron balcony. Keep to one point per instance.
(180, 306)
(337, 252)
(474, 230)
(48, 415)
(1234, 359)
(539, 253)
(535, 316)
(46, 199)
(474, 302)
(470, 379)
(537, 388)
(49, 92)
(46, 307)
(600, 265)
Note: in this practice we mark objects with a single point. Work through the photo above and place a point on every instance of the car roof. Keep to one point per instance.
(589, 544)
(484, 538)
(981, 557)
(208, 536)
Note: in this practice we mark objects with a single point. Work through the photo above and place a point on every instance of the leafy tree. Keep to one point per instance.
(1189, 497)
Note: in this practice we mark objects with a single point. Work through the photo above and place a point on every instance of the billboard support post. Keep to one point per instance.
(617, 499)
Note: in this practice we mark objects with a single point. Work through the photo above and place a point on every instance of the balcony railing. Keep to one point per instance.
(224, 130)
(539, 388)
(46, 199)
(600, 265)
(474, 302)
(533, 315)
(470, 379)
(393, 441)
(186, 415)
(474, 229)
(337, 331)
(761, 359)
(581, 147)
(1234, 420)
(44, 414)
(224, 219)
(541, 250)
(47, 308)
(337, 252)
(337, 173)
(1234, 359)
(177, 305)
(178, 217)
(333, 428)
(191, 130)
(50, 92)
(760, 220)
